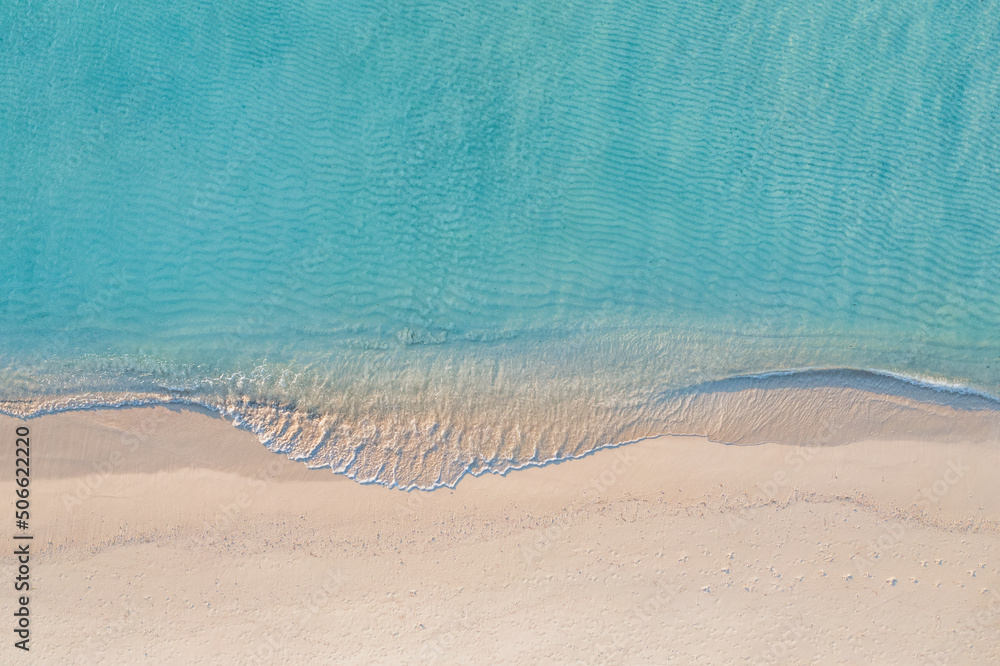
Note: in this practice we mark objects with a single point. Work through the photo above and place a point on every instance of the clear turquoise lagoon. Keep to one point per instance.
(410, 239)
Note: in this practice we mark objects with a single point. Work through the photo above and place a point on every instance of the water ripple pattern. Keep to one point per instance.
(409, 240)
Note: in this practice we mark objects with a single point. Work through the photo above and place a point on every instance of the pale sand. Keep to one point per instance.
(169, 537)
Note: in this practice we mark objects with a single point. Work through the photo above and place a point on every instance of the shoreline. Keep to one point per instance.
(187, 539)
(793, 407)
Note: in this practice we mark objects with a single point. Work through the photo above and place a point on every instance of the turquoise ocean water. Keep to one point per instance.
(407, 239)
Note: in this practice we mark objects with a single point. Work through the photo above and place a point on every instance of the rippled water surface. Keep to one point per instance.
(410, 239)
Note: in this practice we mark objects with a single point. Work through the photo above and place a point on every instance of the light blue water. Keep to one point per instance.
(409, 238)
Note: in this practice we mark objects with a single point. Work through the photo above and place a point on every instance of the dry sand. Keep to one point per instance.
(167, 536)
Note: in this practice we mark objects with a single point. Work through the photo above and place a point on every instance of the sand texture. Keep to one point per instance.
(166, 536)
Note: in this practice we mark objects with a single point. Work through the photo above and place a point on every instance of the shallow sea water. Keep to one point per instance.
(408, 240)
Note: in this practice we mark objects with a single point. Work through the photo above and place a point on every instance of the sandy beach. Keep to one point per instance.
(504, 333)
(167, 536)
